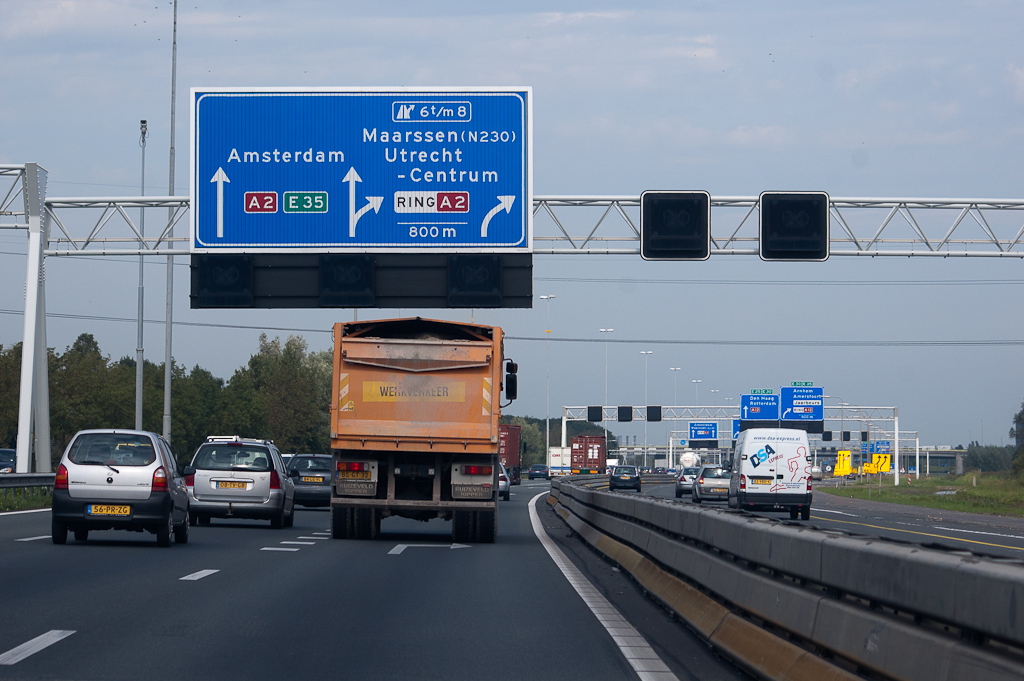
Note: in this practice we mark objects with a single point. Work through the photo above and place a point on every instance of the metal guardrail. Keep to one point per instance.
(851, 603)
(20, 480)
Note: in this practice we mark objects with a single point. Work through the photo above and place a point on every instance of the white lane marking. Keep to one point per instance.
(31, 510)
(325, 534)
(317, 538)
(397, 551)
(196, 576)
(276, 548)
(640, 655)
(300, 543)
(825, 510)
(16, 655)
(42, 536)
(991, 534)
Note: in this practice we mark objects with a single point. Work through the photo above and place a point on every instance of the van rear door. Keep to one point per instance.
(762, 470)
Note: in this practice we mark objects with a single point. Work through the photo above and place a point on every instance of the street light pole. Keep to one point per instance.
(603, 424)
(646, 354)
(547, 386)
(143, 134)
(696, 386)
(675, 385)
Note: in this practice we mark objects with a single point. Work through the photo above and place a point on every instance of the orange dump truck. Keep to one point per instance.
(414, 425)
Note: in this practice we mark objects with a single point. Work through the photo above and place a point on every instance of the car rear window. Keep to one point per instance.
(690, 471)
(112, 449)
(309, 463)
(716, 473)
(625, 470)
(232, 458)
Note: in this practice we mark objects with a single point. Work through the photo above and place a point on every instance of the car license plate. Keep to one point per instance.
(230, 484)
(761, 481)
(310, 478)
(625, 477)
(353, 475)
(720, 490)
(109, 509)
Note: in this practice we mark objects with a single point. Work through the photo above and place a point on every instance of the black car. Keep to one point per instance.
(7, 460)
(539, 470)
(624, 477)
(311, 474)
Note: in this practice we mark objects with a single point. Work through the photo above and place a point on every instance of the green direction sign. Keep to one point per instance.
(802, 384)
(305, 202)
(762, 391)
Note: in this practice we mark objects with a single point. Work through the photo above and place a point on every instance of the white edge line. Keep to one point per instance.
(954, 529)
(641, 658)
(16, 655)
(31, 510)
(196, 576)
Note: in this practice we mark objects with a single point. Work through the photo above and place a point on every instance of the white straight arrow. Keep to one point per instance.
(506, 204)
(402, 547)
(220, 178)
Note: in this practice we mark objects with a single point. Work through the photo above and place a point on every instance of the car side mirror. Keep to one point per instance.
(188, 470)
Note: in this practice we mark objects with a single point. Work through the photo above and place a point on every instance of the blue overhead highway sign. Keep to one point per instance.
(361, 170)
(802, 404)
(703, 430)
(759, 407)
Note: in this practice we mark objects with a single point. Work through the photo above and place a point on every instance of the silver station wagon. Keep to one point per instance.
(119, 480)
(239, 478)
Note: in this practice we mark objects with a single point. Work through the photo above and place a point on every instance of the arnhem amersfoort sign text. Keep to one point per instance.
(346, 170)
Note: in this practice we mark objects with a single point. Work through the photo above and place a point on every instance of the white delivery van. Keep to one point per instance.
(772, 470)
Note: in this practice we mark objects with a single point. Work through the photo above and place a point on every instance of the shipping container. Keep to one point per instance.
(510, 451)
(589, 453)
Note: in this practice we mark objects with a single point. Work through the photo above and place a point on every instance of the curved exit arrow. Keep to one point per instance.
(353, 216)
(506, 204)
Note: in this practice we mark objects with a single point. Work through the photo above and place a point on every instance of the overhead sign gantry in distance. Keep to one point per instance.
(367, 170)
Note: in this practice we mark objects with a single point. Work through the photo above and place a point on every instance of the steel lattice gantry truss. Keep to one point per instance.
(859, 226)
(595, 225)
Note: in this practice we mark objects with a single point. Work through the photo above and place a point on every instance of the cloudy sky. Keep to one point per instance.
(869, 99)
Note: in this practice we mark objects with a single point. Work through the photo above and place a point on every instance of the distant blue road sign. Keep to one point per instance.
(343, 170)
(736, 425)
(802, 404)
(759, 407)
(703, 430)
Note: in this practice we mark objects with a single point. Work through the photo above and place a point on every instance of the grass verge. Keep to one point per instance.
(24, 499)
(991, 493)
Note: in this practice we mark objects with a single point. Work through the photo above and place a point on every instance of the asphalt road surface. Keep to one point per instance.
(948, 530)
(243, 601)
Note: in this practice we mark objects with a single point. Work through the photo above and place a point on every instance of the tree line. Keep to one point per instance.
(282, 394)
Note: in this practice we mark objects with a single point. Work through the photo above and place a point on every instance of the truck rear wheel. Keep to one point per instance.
(341, 523)
(367, 523)
(486, 526)
(462, 527)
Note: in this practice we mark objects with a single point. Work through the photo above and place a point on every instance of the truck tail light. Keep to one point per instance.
(160, 480)
(353, 466)
(275, 480)
(743, 482)
(61, 480)
(477, 470)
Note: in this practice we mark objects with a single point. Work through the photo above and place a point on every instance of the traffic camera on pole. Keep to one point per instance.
(675, 225)
(794, 226)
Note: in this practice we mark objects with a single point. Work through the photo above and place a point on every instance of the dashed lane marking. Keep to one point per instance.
(276, 548)
(16, 655)
(42, 536)
(196, 576)
(925, 534)
(317, 538)
(300, 543)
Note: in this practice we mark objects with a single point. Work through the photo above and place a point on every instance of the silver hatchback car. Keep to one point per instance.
(119, 480)
(236, 477)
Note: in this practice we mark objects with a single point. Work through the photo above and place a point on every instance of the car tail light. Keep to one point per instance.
(477, 470)
(61, 480)
(743, 482)
(160, 480)
(190, 480)
(502, 477)
(353, 466)
(701, 481)
(275, 480)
